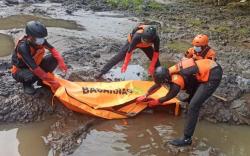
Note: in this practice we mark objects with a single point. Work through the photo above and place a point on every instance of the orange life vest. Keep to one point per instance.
(186, 67)
(178, 79)
(37, 54)
(139, 31)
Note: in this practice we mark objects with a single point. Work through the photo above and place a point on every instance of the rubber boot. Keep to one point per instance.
(29, 89)
(185, 141)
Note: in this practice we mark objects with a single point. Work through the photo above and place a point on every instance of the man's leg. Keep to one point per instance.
(203, 92)
(26, 77)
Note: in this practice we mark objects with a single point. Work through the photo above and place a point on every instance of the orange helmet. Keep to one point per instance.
(200, 40)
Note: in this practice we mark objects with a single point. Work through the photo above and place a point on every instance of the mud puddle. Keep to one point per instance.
(19, 21)
(6, 44)
(143, 135)
(134, 72)
(25, 140)
(146, 134)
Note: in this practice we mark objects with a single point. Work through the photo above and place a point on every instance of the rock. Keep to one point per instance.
(69, 11)
(11, 2)
(96, 55)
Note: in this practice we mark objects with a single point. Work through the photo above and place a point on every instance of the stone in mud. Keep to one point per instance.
(15, 2)
(11, 2)
(96, 55)
(241, 111)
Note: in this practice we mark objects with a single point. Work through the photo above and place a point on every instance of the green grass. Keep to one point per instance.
(179, 46)
(155, 6)
(222, 28)
(244, 31)
(135, 5)
(169, 29)
(195, 22)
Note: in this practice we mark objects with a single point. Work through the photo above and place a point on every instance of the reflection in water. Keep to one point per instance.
(8, 142)
(146, 134)
(24, 140)
(134, 72)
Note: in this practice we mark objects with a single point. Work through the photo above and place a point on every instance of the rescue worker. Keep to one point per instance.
(200, 49)
(208, 74)
(28, 62)
(143, 37)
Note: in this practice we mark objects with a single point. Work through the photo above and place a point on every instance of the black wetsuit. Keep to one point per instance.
(27, 63)
(200, 92)
(129, 47)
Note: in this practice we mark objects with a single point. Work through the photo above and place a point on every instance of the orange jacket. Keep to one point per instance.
(206, 54)
(31, 60)
(179, 80)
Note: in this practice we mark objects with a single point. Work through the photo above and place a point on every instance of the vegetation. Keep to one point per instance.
(179, 46)
(135, 5)
(244, 31)
(195, 22)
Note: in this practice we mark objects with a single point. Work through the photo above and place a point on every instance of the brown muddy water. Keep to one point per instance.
(7, 45)
(142, 135)
(25, 140)
(19, 21)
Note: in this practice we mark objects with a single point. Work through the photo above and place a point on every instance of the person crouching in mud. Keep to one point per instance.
(143, 37)
(208, 75)
(28, 62)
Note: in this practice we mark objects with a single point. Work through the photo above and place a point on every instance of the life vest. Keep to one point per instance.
(206, 54)
(37, 54)
(139, 30)
(200, 68)
(178, 79)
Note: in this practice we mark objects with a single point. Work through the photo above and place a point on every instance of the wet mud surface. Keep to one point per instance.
(86, 52)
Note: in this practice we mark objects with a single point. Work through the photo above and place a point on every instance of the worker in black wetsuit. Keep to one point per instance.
(28, 62)
(144, 37)
(208, 75)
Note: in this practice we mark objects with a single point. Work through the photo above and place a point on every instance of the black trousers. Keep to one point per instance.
(121, 56)
(202, 93)
(48, 64)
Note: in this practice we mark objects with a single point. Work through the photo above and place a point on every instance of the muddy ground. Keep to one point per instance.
(177, 22)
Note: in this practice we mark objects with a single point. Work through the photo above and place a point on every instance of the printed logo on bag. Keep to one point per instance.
(121, 91)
